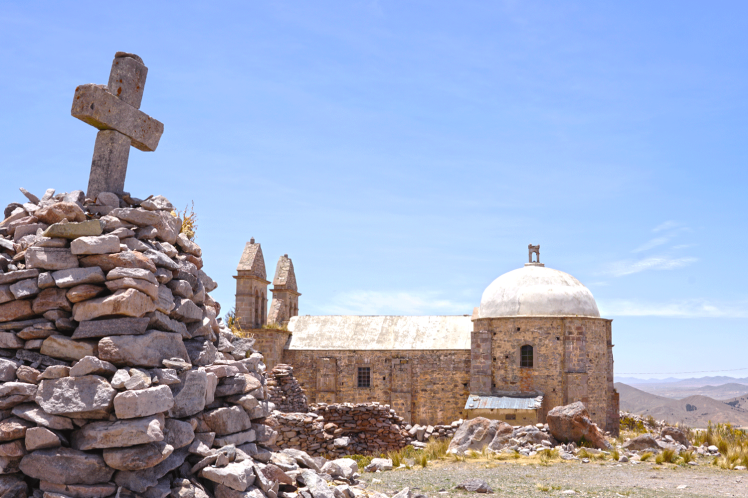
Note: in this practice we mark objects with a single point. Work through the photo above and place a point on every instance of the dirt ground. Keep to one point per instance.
(599, 479)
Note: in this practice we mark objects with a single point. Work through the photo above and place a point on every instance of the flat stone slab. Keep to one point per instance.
(77, 276)
(74, 230)
(75, 395)
(64, 348)
(115, 326)
(16, 310)
(100, 244)
(33, 413)
(128, 302)
(143, 402)
(15, 276)
(100, 490)
(94, 105)
(138, 457)
(66, 466)
(119, 434)
(50, 258)
(141, 480)
(148, 350)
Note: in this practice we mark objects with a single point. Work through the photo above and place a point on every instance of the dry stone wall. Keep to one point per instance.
(341, 429)
(116, 376)
(284, 391)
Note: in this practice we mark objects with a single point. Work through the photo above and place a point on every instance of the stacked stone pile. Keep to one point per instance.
(115, 374)
(341, 429)
(420, 434)
(285, 392)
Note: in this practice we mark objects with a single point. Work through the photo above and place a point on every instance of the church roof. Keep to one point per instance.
(285, 277)
(377, 333)
(537, 291)
(252, 263)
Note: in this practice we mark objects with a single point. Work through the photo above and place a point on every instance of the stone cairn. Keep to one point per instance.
(116, 376)
(285, 392)
(341, 429)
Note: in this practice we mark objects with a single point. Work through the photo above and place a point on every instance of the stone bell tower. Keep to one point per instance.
(251, 288)
(285, 302)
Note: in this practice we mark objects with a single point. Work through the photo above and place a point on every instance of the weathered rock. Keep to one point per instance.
(78, 276)
(24, 289)
(127, 259)
(66, 466)
(474, 435)
(138, 380)
(7, 370)
(91, 365)
(138, 457)
(37, 331)
(59, 211)
(238, 384)
(475, 486)
(144, 402)
(572, 423)
(102, 244)
(165, 300)
(55, 372)
(9, 340)
(13, 428)
(119, 434)
(51, 299)
(186, 311)
(74, 230)
(15, 393)
(84, 292)
(160, 321)
(59, 346)
(139, 217)
(678, 435)
(134, 283)
(15, 310)
(148, 350)
(140, 480)
(236, 475)
(50, 258)
(189, 395)
(380, 464)
(40, 438)
(237, 439)
(643, 442)
(115, 326)
(225, 421)
(342, 467)
(178, 433)
(75, 395)
(28, 374)
(128, 302)
(33, 413)
(100, 490)
(15, 276)
(201, 352)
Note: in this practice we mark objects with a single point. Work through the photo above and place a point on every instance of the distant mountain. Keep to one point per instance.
(739, 402)
(693, 382)
(693, 411)
(678, 391)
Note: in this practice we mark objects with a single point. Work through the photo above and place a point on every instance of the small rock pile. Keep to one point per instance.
(284, 391)
(341, 429)
(420, 434)
(116, 376)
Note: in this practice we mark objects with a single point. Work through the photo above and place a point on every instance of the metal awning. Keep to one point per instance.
(476, 402)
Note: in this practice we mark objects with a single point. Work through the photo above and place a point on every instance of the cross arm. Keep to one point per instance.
(94, 105)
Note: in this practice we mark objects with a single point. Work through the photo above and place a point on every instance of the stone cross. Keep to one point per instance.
(115, 110)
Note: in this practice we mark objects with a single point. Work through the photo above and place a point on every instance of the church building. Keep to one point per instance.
(536, 341)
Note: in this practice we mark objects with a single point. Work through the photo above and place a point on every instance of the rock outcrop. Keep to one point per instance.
(572, 423)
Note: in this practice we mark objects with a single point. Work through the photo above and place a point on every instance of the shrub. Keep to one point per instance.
(687, 456)
(645, 456)
(189, 222)
(361, 460)
(633, 425)
(615, 455)
(667, 456)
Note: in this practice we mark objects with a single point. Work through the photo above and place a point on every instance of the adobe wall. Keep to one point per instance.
(423, 387)
(572, 362)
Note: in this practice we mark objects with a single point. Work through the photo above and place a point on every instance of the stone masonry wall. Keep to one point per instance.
(284, 390)
(424, 387)
(570, 361)
(271, 342)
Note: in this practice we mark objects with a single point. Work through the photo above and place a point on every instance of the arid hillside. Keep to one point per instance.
(694, 411)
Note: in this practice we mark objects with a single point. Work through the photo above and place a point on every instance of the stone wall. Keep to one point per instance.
(341, 429)
(271, 342)
(571, 362)
(284, 390)
(424, 387)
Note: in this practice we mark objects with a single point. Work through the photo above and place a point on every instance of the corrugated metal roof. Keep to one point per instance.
(380, 332)
(476, 402)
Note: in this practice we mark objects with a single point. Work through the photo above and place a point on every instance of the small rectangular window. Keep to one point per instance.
(364, 376)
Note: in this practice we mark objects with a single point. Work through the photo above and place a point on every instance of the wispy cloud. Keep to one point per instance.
(629, 267)
(652, 244)
(395, 303)
(687, 308)
(668, 225)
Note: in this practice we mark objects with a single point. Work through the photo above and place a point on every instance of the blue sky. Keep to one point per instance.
(405, 153)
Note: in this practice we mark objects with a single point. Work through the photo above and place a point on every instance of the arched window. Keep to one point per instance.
(525, 356)
(258, 319)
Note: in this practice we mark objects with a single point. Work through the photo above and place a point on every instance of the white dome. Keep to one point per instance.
(537, 291)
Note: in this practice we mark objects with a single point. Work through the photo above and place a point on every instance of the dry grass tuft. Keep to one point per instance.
(189, 221)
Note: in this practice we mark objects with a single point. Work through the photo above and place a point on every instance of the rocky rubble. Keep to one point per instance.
(284, 391)
(116, 376)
